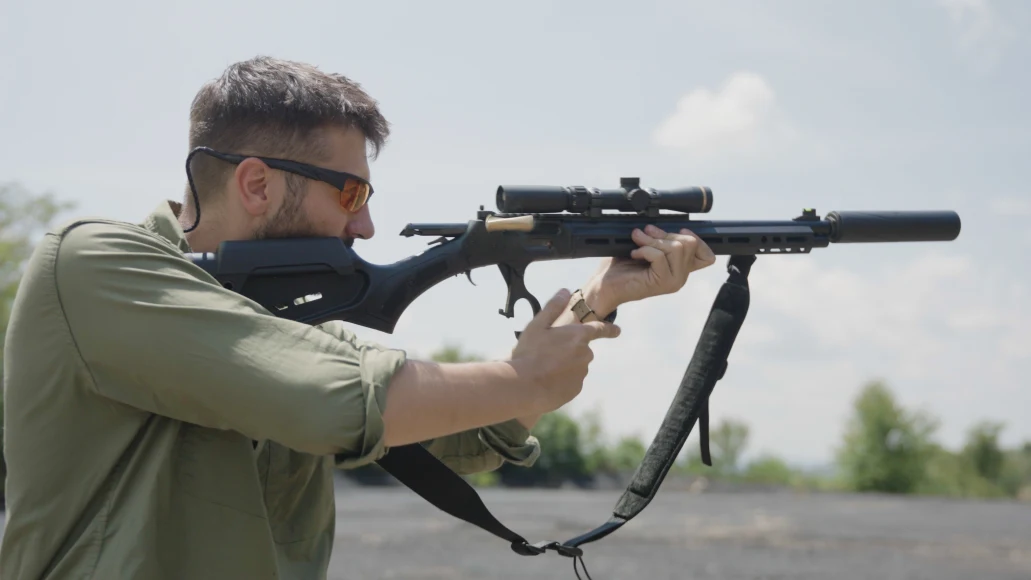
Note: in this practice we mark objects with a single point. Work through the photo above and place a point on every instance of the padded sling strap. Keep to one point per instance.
(708, 365)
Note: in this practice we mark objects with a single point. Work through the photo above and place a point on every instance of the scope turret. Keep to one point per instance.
(630, 197)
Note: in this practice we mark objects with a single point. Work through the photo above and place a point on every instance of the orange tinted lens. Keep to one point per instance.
(354, 195)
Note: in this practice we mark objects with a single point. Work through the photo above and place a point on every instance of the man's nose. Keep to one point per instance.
(361, 225)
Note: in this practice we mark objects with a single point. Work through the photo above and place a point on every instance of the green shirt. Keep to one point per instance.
(161, 426)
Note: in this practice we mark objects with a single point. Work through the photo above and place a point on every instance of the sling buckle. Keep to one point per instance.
(527, 549)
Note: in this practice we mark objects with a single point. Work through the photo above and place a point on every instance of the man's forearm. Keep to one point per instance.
(426, 400)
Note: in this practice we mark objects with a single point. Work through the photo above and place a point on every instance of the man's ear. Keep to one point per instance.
(253, 180)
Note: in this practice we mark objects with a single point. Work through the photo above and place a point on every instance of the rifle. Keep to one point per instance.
(315, 280)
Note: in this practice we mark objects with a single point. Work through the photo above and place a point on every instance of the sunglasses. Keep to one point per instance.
(354, 190)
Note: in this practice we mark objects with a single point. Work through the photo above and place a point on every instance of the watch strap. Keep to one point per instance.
(581, 309)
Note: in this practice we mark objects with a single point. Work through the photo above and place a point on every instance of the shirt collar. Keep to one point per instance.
(164, 222)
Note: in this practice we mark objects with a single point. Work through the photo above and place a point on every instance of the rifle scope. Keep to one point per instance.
(630, 197)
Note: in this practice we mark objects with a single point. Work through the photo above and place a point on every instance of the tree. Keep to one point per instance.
(1015, 478)
(628, 453)
(624, 456)
(561, 458)
(23, 215)
(886, 448)
(453, 353)
(727, 443)
(597, 455)
(769, 469)
(983, 451)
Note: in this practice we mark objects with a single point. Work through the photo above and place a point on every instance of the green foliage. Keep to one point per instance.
(1015, 477)
(771, 470)
(483, 479)
(982, 468)
(953, 474)
(597, 456)
(561, 457)
(453, 353)
(983, 451)
(628, 453)
(726, 444)
(692, 464)
(886, 448)
(23, 215)
(625, 456)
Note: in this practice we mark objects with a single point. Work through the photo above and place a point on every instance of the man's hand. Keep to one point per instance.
(660, 265)
(554, 358)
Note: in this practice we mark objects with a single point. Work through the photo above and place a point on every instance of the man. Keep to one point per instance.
(162, 426)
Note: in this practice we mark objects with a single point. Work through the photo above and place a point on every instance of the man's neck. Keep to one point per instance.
(200, 243)
(209, 233)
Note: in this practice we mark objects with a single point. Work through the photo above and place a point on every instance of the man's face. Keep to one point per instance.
(315, 210)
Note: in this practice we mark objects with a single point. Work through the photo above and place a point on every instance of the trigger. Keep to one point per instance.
(469, 275)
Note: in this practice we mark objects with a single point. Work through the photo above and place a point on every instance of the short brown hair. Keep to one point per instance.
(275, 108)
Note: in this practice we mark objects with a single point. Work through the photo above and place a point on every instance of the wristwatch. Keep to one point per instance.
(581, 310)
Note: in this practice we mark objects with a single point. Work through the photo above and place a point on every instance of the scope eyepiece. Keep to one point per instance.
(580, 199)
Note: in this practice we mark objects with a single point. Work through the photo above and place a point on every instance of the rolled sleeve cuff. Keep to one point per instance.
(377, 366)
(487, 448)
(512, 441)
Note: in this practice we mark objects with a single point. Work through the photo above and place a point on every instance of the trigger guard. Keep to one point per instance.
(510, 304)
(534, 304)
(513, 275)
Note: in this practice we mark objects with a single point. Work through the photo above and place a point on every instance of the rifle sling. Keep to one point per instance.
(419, 470)
(691, 402)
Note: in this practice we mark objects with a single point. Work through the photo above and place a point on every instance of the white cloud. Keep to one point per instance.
(741, 118)
(980, 31)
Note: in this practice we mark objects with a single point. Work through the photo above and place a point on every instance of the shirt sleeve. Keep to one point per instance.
(471, 451)
(158, 333)
(487, 448)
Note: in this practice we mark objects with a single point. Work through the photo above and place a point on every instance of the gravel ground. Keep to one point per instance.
(389, 533)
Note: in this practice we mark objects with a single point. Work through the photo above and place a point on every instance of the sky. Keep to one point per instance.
(775, 106)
